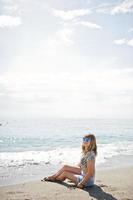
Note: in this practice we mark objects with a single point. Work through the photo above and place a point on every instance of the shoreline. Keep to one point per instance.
(110, 184)
(13, 176)
(33, 173)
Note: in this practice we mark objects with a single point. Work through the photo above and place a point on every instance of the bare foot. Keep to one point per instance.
(49, 178)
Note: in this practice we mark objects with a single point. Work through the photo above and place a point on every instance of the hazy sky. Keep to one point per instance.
(66, 58)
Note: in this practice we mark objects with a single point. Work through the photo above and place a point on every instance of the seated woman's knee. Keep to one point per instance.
(65, 167)
(64, 174)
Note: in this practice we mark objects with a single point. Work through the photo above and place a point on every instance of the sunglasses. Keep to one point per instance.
(86, 139)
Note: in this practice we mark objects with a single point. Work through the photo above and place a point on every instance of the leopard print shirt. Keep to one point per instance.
(90, 155)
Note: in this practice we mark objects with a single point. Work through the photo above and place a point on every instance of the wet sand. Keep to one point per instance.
(109, 185)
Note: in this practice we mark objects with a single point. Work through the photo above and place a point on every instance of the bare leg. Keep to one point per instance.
(69, 176)
(65, 168)
(75, 170)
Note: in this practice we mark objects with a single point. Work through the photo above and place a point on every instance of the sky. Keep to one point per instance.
(66, 58)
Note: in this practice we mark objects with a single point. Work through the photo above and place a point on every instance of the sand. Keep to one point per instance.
(109, 185)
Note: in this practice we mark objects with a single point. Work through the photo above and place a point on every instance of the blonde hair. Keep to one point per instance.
(92, 146)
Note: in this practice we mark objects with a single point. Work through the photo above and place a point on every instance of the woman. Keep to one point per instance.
(84, 174)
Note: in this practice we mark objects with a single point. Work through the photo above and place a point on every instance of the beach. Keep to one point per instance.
(112, 184)
(32, 149)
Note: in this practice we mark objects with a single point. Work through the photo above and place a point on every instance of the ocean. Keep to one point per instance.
(33, 148)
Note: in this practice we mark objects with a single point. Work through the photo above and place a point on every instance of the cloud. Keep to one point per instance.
(124, 7)
(63, 93)
(130, 42)
(9, 21)
(61, 84)
(70, 18)
(104, 8)
(124, 41)
(63, 37)
(71, 14)
(88, 24)
(11, 8)
(120, 41)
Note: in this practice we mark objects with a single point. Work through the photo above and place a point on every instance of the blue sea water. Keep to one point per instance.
(31, 148)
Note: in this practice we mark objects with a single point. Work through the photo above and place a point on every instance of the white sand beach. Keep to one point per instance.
(114, 184)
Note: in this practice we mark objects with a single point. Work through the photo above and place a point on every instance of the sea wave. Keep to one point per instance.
(67, 155)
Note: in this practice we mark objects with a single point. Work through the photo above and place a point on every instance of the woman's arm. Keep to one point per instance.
(90, 172)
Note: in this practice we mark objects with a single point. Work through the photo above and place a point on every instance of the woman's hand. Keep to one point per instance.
(80, 185)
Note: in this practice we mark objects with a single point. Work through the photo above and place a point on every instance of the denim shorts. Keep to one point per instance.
(89, 183)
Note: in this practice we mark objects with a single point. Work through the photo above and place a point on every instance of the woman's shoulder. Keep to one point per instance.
(90, 155)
